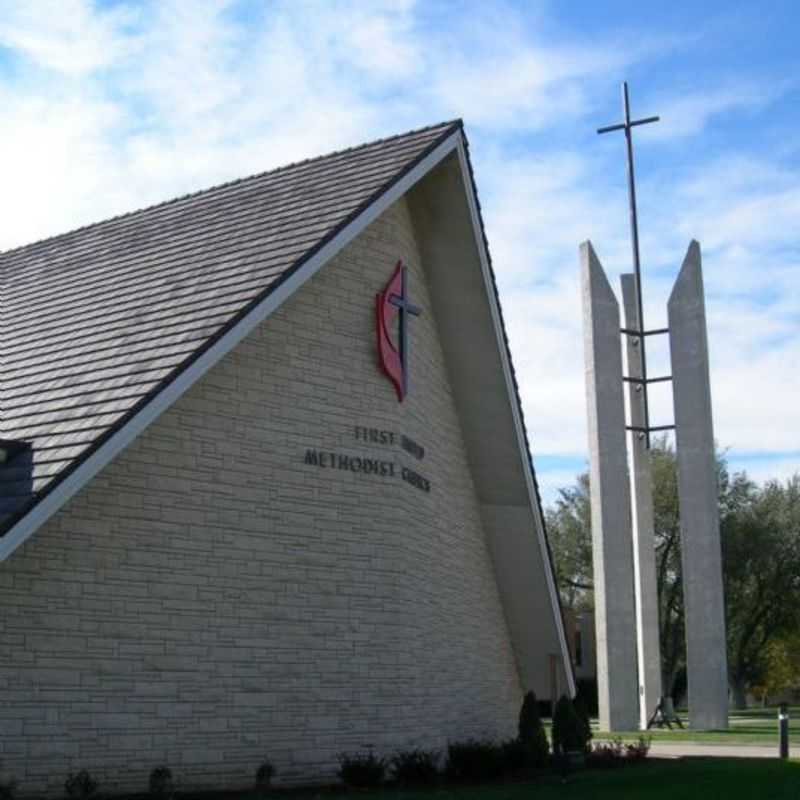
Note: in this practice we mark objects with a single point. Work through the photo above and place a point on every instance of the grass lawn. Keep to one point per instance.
(685, 779)
(754, 726)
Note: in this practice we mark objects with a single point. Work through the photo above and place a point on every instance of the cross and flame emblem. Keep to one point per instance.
(390, 303)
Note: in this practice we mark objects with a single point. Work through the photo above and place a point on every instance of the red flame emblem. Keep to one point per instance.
(389, 303)
(389, 355)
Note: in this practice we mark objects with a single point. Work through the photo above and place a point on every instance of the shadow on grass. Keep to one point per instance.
(658, 779)
(694, 778)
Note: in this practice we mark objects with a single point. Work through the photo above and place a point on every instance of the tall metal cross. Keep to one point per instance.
(627, 126)
(404, 307)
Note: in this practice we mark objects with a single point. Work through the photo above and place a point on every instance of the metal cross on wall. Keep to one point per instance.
(627, 125)
(405, 307)
(394, 300)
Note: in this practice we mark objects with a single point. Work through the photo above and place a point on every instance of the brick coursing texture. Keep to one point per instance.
(210, 599)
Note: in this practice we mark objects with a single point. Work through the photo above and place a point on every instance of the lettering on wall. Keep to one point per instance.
(381, 466)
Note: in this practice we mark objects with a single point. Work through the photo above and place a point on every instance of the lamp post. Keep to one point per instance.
(783, 726)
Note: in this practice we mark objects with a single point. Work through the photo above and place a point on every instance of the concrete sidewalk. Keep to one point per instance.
(682, 749)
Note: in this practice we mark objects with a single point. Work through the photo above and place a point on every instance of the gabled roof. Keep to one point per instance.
(105, 327)
(97, 323)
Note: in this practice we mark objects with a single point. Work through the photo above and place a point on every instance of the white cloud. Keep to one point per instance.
(552, 480)
(690, 112)
(111, 108)
(539, 208)
(69, 36)
(751, 281)
(767, 468)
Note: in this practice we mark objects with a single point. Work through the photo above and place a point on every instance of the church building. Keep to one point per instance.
(265, 484)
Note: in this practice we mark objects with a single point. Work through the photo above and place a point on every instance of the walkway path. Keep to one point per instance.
(681, 749)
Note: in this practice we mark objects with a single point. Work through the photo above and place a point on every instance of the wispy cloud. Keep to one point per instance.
(68, 36)
(688, 113)
(108, 107)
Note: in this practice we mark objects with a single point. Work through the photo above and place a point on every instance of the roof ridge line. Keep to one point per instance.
(129, 420)
(453, 123)
(458, 122)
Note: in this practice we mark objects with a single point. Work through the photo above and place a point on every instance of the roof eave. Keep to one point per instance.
(21, 526)
(24, 523)
(515, 401)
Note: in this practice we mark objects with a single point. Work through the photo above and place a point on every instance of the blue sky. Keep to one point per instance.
(115, 105)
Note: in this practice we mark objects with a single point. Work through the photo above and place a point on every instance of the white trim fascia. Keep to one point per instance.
(52, 502)
(515, 408)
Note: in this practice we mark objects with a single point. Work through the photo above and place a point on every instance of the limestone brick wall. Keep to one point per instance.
(210, 599)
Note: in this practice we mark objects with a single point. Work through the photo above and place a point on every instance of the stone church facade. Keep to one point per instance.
(240, 582)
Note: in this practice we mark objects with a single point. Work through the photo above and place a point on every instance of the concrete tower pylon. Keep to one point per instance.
(612, 551)
(701, 555)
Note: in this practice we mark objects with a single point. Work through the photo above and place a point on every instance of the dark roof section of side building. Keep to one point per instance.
(97, 322)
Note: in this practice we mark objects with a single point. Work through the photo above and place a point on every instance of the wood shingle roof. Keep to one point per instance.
(96, 322)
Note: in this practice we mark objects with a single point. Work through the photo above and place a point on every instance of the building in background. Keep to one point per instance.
(580, 633)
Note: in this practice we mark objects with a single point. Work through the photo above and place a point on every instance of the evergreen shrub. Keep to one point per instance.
(516, 756)
(474, 760)
(571, 734)
(582, 711)
(416, 767)
(361, 769)
(80, 785)
(264, 775)
(532, 734)
(160, 783)
(8, 790)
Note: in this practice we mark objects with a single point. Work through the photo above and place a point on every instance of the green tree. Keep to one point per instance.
(669, 570)
(531, 732)
(569, 529)
(761, 557)
(570, 732)
(760, 532)
(782, 668)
